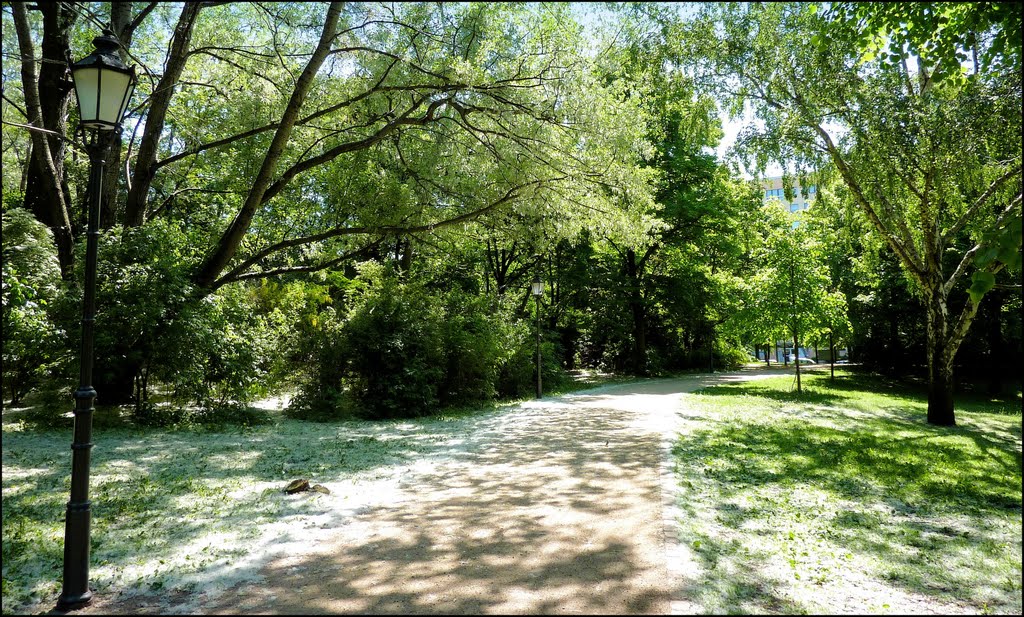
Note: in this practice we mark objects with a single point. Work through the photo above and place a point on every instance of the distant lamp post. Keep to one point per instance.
(103, 86)
(537, 289)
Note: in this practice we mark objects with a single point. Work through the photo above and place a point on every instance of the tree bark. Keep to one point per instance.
(159, 103)
(940, 363)
(47, 95)
(120, 24)
(636, 308)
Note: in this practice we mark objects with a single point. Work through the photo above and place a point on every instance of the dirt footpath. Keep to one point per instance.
(562, 506)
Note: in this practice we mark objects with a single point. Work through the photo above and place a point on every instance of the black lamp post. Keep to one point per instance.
(537, 289)
(103, 86)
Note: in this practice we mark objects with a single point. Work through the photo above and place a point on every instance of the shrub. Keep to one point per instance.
(730, 357)
(155, 335)
(33, 345)
(393, 349)
(405, 350)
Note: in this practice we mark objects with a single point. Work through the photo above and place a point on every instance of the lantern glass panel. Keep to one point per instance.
(113, 87)
(87, 88)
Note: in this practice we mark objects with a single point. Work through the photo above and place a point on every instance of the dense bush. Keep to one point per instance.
(153, 335)
(393, 350)
(729, 357)
(32, 342)
(404, 350)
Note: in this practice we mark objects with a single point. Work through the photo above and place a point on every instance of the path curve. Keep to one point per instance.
(562, 505)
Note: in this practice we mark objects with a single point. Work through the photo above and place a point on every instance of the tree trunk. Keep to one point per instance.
(145, 161)
(636, 308)
(796, 339)
(405, 255)
(831, 356)
(940, 364)
(47, 95)
(940, 391)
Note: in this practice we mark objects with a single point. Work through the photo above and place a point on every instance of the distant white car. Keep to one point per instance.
(802, 360)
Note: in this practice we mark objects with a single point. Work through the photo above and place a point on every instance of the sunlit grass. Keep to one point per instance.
(843, 496)
(168, 504)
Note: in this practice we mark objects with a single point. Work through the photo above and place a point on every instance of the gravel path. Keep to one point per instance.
(562, 506)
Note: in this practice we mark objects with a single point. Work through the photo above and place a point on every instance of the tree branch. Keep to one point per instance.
(510, 195)
(21, 110)
(963, 322)
(352, 146)
(978, 203)
(916, 269)
(365, 250)
(969, 256)
(135, 23)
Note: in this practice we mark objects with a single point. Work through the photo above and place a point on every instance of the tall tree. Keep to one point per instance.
(289, 138)
(932, 162)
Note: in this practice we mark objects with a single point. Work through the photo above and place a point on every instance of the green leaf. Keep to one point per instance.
(1007, 254)
(986, 255)
(981, 283)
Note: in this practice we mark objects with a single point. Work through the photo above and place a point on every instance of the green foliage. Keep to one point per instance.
(393, 349)
(730, 357)
(929, 152)
(152, 332)
(32, 342)
(941, 34)
(404, 350)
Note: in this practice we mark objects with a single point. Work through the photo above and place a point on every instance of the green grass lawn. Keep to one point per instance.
(842, 499)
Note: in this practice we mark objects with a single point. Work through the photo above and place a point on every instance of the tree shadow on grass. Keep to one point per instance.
(734, 580)
(911, 493)
(848, 387)
(155, 490)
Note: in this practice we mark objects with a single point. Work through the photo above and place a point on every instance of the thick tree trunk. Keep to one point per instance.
(940, 394)
(47, 95)
(145, 162)
(940, 364)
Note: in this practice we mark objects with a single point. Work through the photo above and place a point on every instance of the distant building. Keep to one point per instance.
(773, 190)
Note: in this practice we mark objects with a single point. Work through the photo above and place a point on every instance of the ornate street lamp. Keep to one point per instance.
(103, 86)
(537, 289)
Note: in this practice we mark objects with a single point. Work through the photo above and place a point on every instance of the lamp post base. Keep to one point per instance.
(73, 602)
